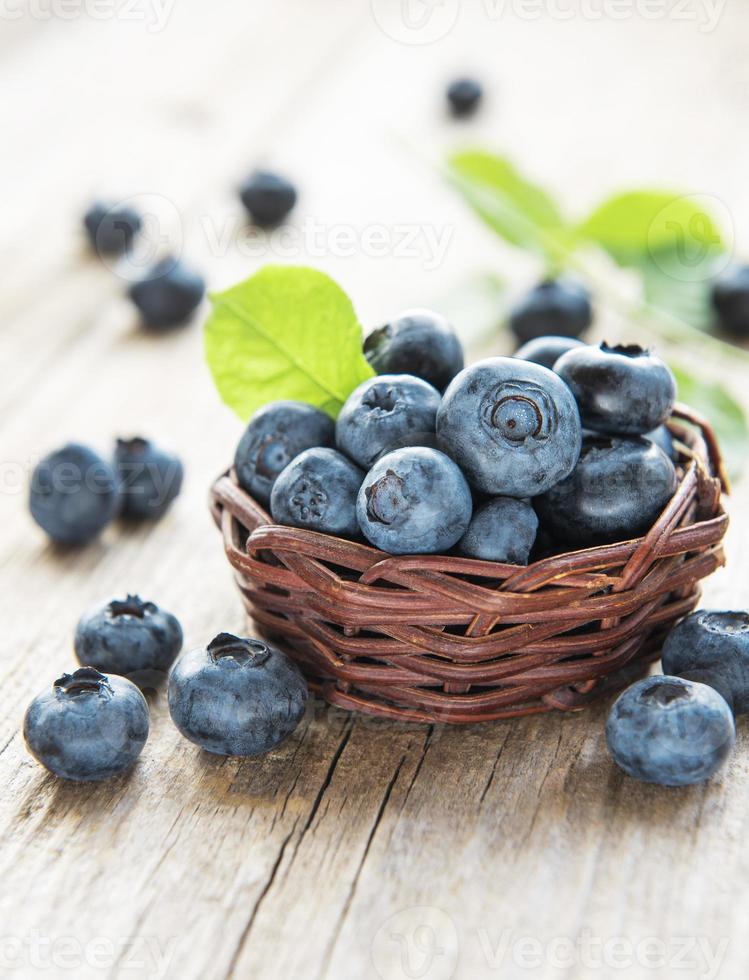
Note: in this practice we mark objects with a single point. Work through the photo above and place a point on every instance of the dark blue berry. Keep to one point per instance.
(621, 389)
(87, 726)
(712, 647)
(616, 491)
(318, 491)
(151, 478)
(512, 426)
(730, 298)
(385, 413)
(74, 494)
(268, 197)
(236, 696)
(546, 351)
(464, 96)
(168, 295)
(130, 637)
(503, 529)
(111, 227)
(414, 501)
(555, 307)
(664, 440)
(670, 731)
(419, 343)
(277, 434)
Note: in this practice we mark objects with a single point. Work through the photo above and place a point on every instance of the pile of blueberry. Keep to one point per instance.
(236, 696)
(75, 493)
(429, 456)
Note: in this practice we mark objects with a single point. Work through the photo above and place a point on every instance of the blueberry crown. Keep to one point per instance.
(244, 651)
(136, 446)
(133, 605)
(626, 350)
(85, 680)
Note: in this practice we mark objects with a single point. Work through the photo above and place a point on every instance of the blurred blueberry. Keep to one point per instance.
(151, 477)
(268, 197)
(111, 227)
(168, 295)
(554, 307)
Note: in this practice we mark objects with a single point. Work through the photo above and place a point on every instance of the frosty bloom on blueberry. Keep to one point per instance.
(512, 426)
(318, 491)
(503, 529)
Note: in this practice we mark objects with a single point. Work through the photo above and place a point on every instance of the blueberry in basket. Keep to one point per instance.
(87, 726)
(414, 501)
(318, 491)
(513, 427)
(616, 491)
(131, 637)
(559, 307)
(168, 295)
(385, 413)
(277, 434)
(151, 477)
(418, 342)
(111, 227)
(268, 197)
(670, 731)
(237, 696)
(622, 389)
(502, 529)
(74, 494)
(546, 351)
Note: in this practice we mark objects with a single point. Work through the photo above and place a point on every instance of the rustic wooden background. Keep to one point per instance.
(359, 849)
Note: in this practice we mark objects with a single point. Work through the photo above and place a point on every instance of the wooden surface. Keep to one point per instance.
(359, 849)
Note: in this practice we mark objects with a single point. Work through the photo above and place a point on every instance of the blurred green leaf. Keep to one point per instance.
(684, 293)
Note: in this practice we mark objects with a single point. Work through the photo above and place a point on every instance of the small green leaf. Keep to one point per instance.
(288, 332)
(644, 222)
(518, 210)
(725, 415)
(684, 292)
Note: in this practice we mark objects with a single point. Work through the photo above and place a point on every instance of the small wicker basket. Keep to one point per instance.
(440, 638)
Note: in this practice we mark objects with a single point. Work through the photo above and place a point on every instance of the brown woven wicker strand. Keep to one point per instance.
(440, 638)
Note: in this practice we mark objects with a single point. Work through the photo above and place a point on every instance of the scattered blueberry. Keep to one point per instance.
(417, 342)
(712, 647)
(503, 529)
(168, 295)
(616, 491)
(318, 491)
(87, 726)
(414, 501)
(730, 297)
(464, 96)
(670, 731)
(130, 637)
(236, 696)
(268, 197)
(74, 494)
(513, 427)
(151, 478)
(546, 351)
(111, 227)
(621, 389)
(558, 307)
(277, 434)
(385, 413)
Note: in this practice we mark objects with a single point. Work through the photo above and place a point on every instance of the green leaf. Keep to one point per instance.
(518, 210)
(288, 332)
(725, 415)
(684, 292)
(638, 223)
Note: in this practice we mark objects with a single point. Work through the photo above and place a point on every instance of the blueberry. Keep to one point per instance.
(546, 351)
(670, 731)
(151, 477)
(512, 426)
(464, 96)
(503, 529)
(712, 647)
(616, 491)
(664, 440)
(74, 494)
(87, 726)
(277, 434)
(558, 307)
(414, 501)
(168, 295)
(386, 413)
(730, 298)
(318, 491)
(621, 389)
(111, 228)
(417, 342)
(130, 637)
(236, 696)
(268, 197)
